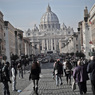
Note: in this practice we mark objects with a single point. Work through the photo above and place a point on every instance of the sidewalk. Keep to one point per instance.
(47, 86)
(21, 83)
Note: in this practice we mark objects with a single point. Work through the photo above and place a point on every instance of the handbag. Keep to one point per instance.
(73, 85)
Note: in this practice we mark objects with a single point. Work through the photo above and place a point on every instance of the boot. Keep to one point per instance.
(36, 90)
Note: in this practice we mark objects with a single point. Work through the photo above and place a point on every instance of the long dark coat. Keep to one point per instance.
(35, 71)
(91, 69)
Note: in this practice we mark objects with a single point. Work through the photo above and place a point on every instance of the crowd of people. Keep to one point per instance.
(9, 71)
(77, 68)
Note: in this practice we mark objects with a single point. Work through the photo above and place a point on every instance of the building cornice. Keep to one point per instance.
(92, 7)
(1, 13)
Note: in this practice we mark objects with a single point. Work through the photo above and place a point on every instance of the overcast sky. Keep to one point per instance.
(23, 14)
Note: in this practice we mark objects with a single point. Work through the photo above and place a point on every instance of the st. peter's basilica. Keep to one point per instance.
(50, 36)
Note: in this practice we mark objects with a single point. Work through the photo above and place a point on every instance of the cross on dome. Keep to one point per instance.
(48, 8)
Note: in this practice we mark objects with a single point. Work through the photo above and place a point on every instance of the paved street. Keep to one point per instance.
(46, 84)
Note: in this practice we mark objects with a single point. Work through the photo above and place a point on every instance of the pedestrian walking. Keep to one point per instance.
(80, 76)
(35, 75)
(68, 71)
(58, 67)
(64, 66)
(6, 78)
(20, 70)
(91, 70)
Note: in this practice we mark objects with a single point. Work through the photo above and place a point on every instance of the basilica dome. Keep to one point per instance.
(49, 20)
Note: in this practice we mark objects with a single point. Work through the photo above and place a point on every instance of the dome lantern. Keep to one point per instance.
(49, 21)
(48, 8)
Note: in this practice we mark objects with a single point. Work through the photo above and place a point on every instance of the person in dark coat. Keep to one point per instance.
(6, 78)
(91, 70)
(34, 75)
(80, 76)
(68, 71)
(58, 67)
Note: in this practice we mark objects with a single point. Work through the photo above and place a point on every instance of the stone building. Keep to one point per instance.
(27, 46)
(71, 45)
(92, 26)
(14, 41)
(2, 48)
(19, 42)
(80, 31)
(84, 29)
(9, 39)
(50, 35)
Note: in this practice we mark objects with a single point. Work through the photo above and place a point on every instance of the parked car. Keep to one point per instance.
(45, 60)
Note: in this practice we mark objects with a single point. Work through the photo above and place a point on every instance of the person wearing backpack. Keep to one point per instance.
(6, 78)
(91, 70)
(58, 66)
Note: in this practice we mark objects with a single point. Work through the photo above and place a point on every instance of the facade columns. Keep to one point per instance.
(51, 44)
(25, 49)
(43, 44)
(55, 44)
(47, 44)
(16, 43)
(87, 40)
(7, 41)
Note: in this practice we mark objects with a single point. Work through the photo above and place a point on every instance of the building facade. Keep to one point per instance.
(2, 48)
(9, 39)
(15, 44)
(92, 26)
(84, 28)
(50, 35)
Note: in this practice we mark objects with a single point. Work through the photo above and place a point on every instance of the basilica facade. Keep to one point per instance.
(50, 36)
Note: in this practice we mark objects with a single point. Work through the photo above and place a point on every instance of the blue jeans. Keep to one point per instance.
(58, 79)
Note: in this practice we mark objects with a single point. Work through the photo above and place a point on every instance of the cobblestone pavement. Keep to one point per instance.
(47, 84)
(21, 83)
